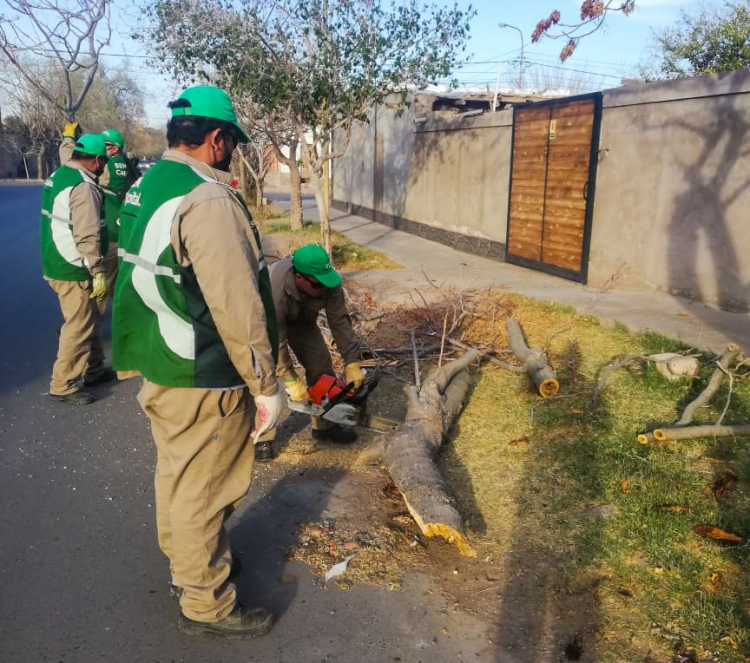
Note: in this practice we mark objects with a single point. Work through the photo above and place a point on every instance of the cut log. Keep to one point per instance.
(409, 452)
(534, 361)
(691, 432)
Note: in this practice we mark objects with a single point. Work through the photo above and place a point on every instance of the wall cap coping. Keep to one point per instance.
(708, 85)
(503, 118)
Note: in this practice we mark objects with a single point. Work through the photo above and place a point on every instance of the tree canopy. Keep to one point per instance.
(706, 42)
(320, 64)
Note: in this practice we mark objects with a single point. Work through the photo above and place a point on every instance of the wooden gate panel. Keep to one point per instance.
(567, 175)
(527, 193)
(551, 175)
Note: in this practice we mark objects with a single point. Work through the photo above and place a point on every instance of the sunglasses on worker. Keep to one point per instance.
(314, 283)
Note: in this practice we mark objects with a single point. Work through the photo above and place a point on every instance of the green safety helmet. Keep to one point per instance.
(208, 101)
(115, 137)
(91, 144)
(313, 260)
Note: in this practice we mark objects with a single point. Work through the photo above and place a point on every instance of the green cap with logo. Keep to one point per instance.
(92, 144)
(209, 101)
(313, 260)
(115, 137)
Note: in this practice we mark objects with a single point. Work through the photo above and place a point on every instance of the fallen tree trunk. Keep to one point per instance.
(409, 452)
(690, 432)
(534, 361)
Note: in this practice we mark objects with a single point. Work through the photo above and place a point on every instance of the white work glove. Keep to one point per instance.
(269, 412)
(297, 389)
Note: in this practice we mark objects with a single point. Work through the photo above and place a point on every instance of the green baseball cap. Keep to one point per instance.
(115, 137)
(209, 101)
(313, 260)
(92, 144)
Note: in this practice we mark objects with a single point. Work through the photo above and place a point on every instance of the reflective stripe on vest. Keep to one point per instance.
(177, 333)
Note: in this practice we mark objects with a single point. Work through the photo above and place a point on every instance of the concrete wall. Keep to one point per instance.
(442, 178)
(673, 189)
(672, 196)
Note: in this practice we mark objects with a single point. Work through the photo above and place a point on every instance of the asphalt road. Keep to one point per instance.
(81, 576)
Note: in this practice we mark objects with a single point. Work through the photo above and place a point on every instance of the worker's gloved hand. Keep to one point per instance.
(297, 389)
(72, 130)
(99, 289)
(269, 411)
(354, 374)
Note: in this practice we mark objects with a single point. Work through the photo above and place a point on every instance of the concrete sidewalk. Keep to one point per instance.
(694, 323)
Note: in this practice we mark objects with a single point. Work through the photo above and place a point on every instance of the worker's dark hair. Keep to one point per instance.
(191, 130)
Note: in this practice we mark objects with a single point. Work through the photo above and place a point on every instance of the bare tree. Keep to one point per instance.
(38, 117)
(67, 34)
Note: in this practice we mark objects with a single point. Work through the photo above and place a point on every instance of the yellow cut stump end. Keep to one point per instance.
(451, 536)
(660, 435)
(549, 387)
(642, 439)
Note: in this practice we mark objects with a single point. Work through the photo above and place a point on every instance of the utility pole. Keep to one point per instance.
(520, 67)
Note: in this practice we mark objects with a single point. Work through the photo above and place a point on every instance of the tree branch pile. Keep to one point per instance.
(727, 366)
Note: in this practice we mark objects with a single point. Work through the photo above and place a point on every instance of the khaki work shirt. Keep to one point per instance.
(293, 307)
(212, 234)
(86, 201)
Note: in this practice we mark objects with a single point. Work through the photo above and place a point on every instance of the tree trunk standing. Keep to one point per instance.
(244, 189)
(41, 162)
(295, 182)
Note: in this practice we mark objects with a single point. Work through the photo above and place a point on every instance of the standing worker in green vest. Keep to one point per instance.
(193, 313)
(73, 244)
(115, 181)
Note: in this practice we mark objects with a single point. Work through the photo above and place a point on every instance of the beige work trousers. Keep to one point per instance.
(79, 353)
(204, 463)
(306, 341)
(111, 269)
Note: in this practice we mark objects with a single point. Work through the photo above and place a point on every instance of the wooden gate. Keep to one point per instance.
(553, 172)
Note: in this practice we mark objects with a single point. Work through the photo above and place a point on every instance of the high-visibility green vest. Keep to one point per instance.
(161, 325)
(61, 259)
(120, 179)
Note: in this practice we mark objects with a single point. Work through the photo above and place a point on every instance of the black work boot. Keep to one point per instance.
(336, 433)
(175, 591)
(80, 397)
(107, 375)
(264, 451)
(242, 622)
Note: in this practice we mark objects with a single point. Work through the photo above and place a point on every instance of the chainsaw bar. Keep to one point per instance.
(345, 414)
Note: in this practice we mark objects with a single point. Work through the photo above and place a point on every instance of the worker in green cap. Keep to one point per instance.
(303, 285)
(115, 181)
(193, 313)
(73, 244)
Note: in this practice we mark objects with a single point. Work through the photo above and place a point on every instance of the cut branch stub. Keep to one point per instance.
(691, 432)
(409, 452)
(534, 361)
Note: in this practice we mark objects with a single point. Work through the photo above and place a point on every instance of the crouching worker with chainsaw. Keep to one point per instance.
(303, 285)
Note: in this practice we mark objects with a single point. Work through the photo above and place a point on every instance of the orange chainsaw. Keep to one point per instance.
(336, 401)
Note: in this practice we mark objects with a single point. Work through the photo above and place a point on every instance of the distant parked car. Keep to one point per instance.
(145, 164)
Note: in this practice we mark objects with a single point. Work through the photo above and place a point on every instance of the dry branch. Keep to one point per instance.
(730, 354)
(409, 452)
(534, 361)
(690, 432)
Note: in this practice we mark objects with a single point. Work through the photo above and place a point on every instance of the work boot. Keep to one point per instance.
(175, 591)
(107, 375)
(80, 397)
(242, 622)
(336, 433)
(264, 451)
